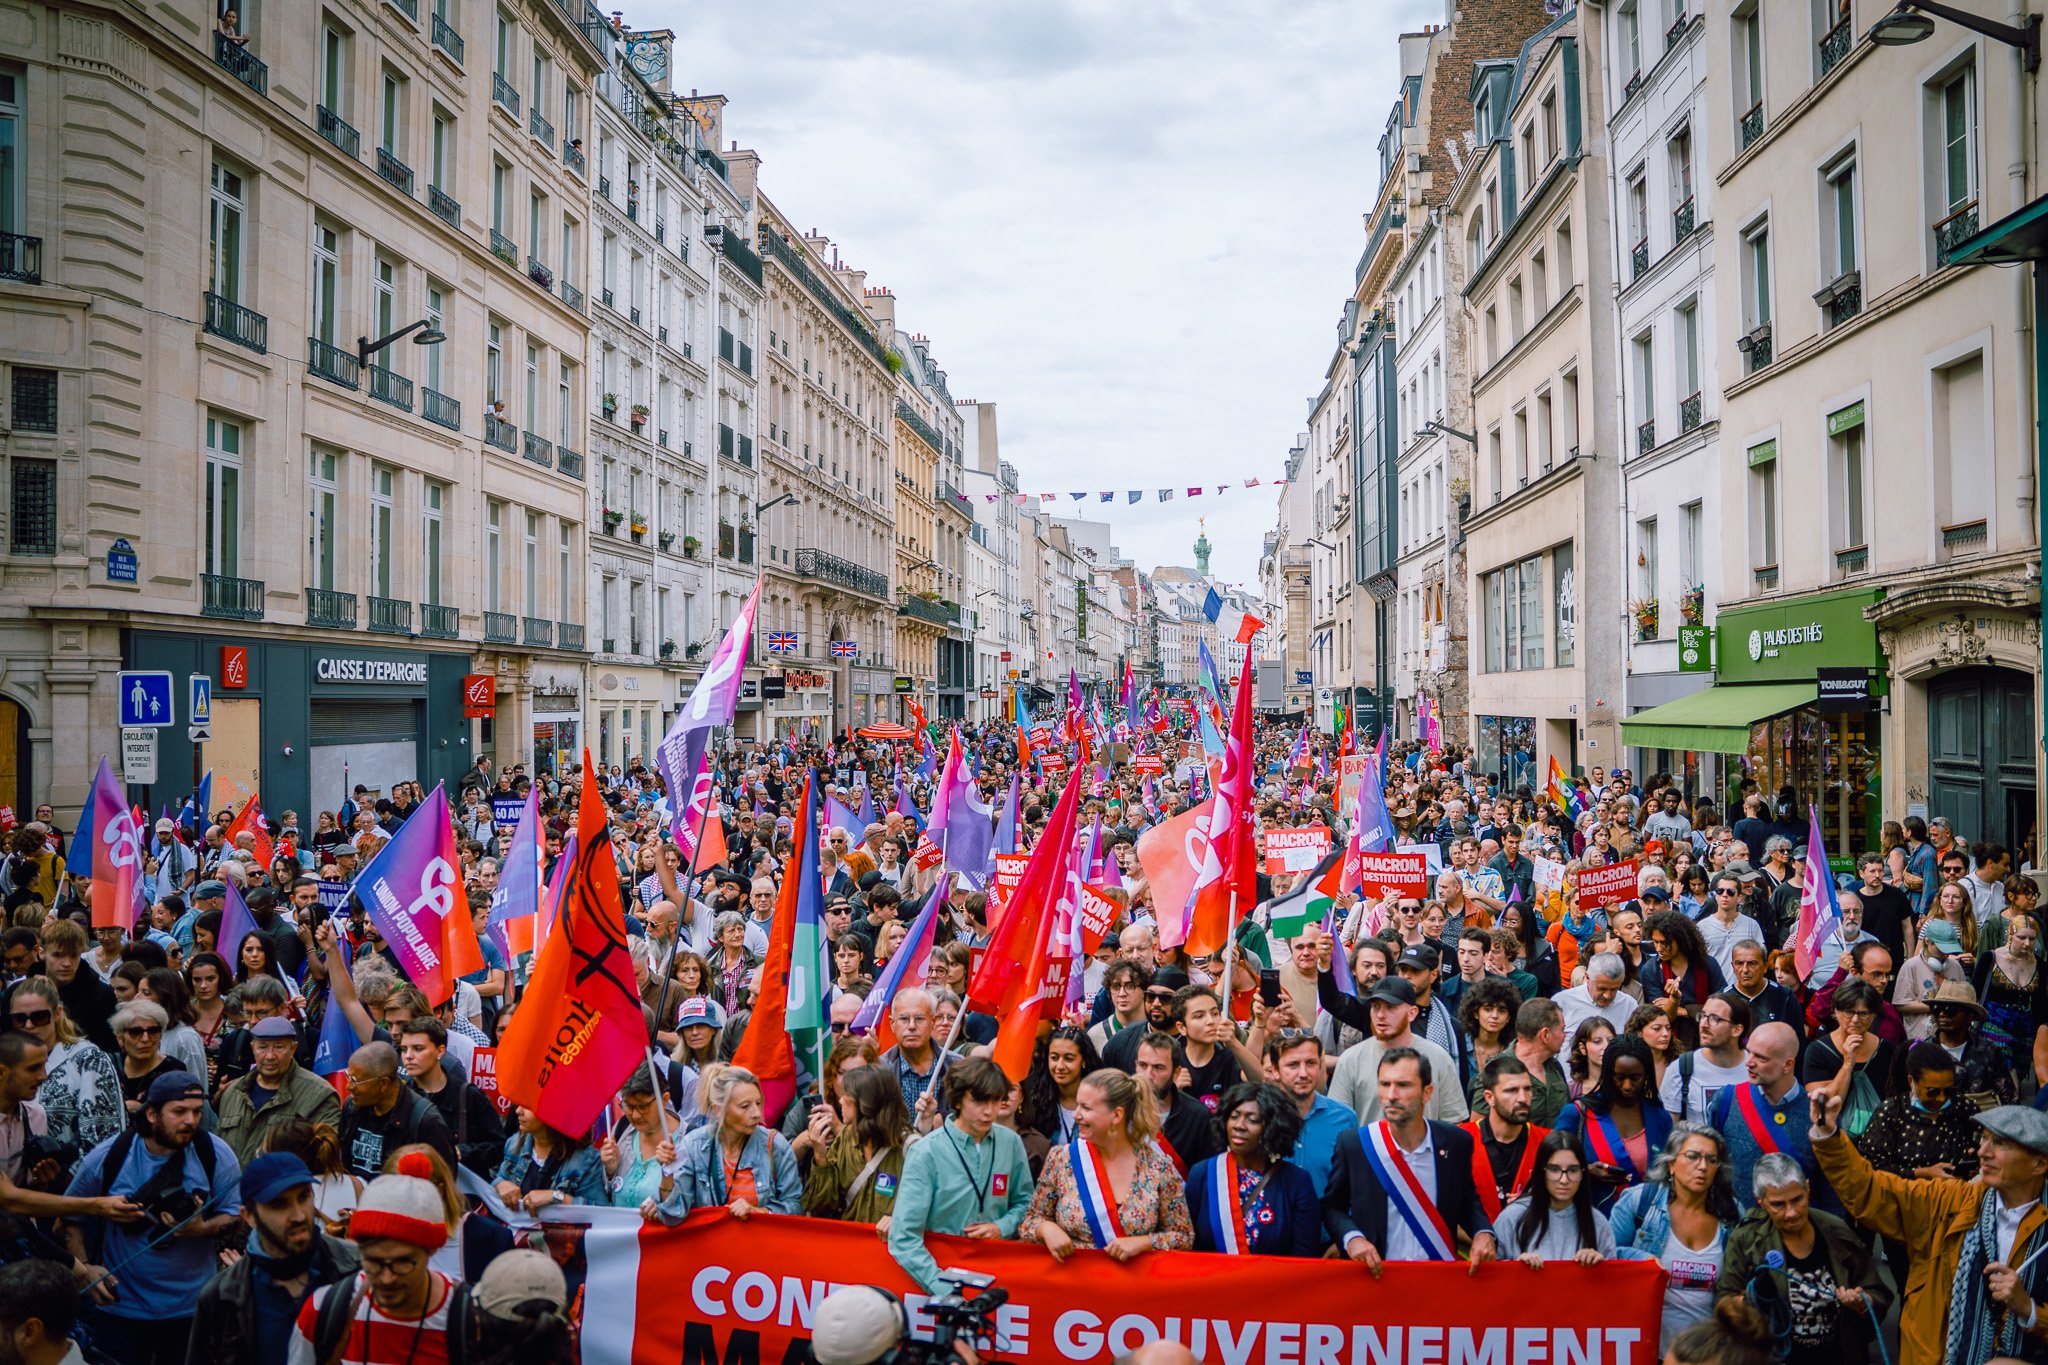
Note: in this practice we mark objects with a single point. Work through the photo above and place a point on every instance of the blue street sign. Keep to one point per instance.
(199, 710)
(146, 699)
(121, 561)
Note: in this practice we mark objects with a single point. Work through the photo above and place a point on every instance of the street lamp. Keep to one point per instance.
(777, 501)
(1911, 23)
(1438, 427)
(425, 332)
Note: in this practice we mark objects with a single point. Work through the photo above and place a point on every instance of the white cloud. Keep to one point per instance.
(1131, 226)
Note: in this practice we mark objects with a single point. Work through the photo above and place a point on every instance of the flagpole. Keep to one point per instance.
(697, 841)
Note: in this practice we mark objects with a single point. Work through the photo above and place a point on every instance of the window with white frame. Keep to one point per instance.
(1691, 546)
(324, 479)
(494, 555)
(384, 320)
(13, 138)
(223, 501)
(383, 508)
(433, 530)
(565, 573)
(1763, 512)
(437, 320)
(1839, 213)
(532, 422)
(1953, 101)
(529, 600)
(227, 219)
(1848, 484)
(1756, 277)
(1646, 559)
(1964, 462)
(391, 114)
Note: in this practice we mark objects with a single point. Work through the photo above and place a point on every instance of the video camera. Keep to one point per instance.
(867, 1325)
(956, 1315)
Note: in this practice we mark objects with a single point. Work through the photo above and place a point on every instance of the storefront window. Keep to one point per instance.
(1507, 747)
(1829, 759)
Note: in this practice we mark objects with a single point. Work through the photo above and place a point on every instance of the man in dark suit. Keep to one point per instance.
(1371, 1224)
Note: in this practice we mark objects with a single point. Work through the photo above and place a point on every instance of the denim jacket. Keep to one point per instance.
(581, 1177)
(1641, 1220)
(700, 1183)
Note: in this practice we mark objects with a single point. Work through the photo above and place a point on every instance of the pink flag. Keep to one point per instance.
(1820, 912)
(415, 898)
(116, 854)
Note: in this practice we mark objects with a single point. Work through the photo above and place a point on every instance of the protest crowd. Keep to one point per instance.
(279, 1088)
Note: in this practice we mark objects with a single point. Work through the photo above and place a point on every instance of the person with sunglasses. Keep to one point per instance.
(81, 1090)
(140, 1026)
(1121, 1051)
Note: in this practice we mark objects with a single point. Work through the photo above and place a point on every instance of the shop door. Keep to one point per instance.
(1980, 753)
(375, 743)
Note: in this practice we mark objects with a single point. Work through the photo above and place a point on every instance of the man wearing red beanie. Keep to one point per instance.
(397, 1309)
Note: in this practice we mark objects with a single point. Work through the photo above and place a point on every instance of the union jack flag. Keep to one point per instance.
(782, 642)
(845, 649)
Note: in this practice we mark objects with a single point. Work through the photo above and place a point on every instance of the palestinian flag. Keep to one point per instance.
(1309, 903)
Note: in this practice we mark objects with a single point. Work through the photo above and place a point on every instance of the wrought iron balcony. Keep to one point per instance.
(444, 206)
(571, 295)
(569, 634)
(1635, 83)
(447, 39)
(338, 131)
(1682, 221)
(540, 631)
(1757, 346)
(1765, 576)
(1953, 229)
(540, 450)
(500, 433)
(1967, 535)
(1834, 45)
(569, 462)
(326, 607)
(332, 363)
(604, 187)
(230, 599)
(440, 622)
(238, 61)
(661, 334)
(1646, 436)
(500, 628)
(541, 128)
(539, 274)
(661, 231)
(935, 613)
(390, 616)
(1752, 126)
(830, 568)
(504, 248)
(395, 171)
(605, 297)
(440, 409)
(230, 321)
(21, 258)
(504, 94)
(409, 8)
(1639, 260)
(909, 417)
(1854, 559)
(573, 158)
(633, 314)
(387, 386)
(1842, 299)
(1677, 29)
(1688, 414)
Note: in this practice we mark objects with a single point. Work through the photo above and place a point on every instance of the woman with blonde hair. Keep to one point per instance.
(1110, 1187)
(735, 1161)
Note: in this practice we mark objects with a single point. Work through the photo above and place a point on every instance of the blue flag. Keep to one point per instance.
(518, 893)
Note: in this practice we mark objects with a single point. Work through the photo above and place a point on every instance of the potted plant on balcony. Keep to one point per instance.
(691, 651)
(612, 518)
(666, 538)
(1644, 610)
(638, 523)
(639, 414)
(611, 406)
(668, 649)
(690, 547)
(1692, 605)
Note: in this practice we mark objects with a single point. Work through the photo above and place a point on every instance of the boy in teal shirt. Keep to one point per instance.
(970, 1178)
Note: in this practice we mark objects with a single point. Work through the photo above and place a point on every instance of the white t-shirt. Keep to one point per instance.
(1689, 1294)
(1709, 1078)
(1577, 1004)
(1721, 939)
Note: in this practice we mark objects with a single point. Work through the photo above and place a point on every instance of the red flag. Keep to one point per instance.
(765, 1048)
(1012, 973)
(250, 818)
(1228, 884)
(579, 1031)
(711, 850)
(1247, 627)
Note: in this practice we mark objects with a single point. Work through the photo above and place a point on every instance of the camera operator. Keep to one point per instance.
(186, 1181)
(863, 1323)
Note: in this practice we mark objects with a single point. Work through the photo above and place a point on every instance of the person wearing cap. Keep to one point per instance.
(1928, 967)
(1121, 1051)
(1983, 1078)
(520, 1301)
(1391, 1009)
(1971, 1293)
(245, 1313)
(143, 1314)
(276, 1088)
(175, 865)
(397, 1307)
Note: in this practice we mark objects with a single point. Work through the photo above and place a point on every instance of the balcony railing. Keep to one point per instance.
(21, 258)
(338, 131)
(540, 450)
(540, 274)
(1757, 346)
(1677, 29)
(571, 295)
(444, 206)
(440, 409)
(332, 363)
(569, 634)
(1834, 45)
(541, 128)
(740, 254)
(791, 258)
(539, 631)
(395, 171)
(936, 613)
(440, 622)
(390, 616)
(392, 388)
(573, 158)
(604, 187)
(504, 248)
(409, 8)
(1752, 126)
(569, 462)
(230, 599)
(503, 93)
(830, 568)
(1688, 414)
(1953, 229)
(1855, 559)
(910, 418)
(725, 540)
(238, 61)
(326, 607)
(1646, 436)
(1682, 221)
(500, 433)
(447, 39)
(1765, 576)
(231, 322)
(1966, 535)
(500, 628)
(1842, 299)
(1639, 260)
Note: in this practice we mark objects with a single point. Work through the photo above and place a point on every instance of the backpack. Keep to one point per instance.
(336, 1314)
(117, 1158)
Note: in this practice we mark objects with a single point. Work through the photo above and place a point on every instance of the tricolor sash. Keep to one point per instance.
(1091, 1184)
(1607, 1146)
(1226, 1207)
(1166, 1150)
(1482, 1166)
(1405, 1192)
(1753, 1118)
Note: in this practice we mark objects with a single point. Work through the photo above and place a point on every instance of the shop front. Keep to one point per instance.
(304, 723)
(556, 718)
(628, 711)
(805, 701)
(1765, 716)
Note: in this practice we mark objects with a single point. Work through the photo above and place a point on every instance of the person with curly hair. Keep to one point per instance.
(1486, 1011)
(1251, 1200)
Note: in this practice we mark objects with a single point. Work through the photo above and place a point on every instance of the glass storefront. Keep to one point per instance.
(1828, 760)
(1507, 749)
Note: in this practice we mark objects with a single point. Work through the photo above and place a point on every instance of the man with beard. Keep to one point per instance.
(187, 1180)
(245, 1313)
(1504, 1134)
(1186, 1130)
(1122, 1049)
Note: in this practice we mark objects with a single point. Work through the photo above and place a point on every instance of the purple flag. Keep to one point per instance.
(712, 703)
(236, 924)
(1006, 828)
(837, 816)
(415, 898)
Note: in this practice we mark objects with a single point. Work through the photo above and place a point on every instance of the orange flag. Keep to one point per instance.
(250, 818)
(711, 850)
(1012, 974)
(579, 1031)
(765, 1048)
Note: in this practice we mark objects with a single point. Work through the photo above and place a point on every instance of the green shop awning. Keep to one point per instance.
(1715, 721)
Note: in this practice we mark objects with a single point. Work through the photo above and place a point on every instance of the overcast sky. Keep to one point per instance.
(1130, 225)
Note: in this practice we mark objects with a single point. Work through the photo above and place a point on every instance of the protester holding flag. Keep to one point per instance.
(545, 1168)
(1110, 1187)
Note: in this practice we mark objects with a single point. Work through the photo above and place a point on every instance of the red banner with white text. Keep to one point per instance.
(746, 1293)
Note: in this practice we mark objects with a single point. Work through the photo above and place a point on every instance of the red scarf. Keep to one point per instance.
(1482, 1166)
